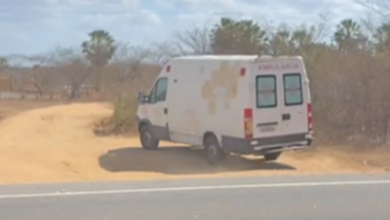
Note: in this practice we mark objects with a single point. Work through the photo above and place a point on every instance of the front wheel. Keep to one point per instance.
(213, 152)
(147, 140)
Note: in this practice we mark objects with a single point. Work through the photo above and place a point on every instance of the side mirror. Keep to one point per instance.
(142, 98)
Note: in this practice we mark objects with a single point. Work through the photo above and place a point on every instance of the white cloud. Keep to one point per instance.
(65, 22)
(150, 17)
(199, 18)
(291, 12)
(91, 2)
(164, 4)
(135, 18)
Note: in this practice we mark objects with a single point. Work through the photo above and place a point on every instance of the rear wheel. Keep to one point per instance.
(213, 152)
(147, 140)
(272, 156)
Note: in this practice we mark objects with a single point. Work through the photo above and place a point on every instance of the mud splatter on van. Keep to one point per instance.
(221, 87)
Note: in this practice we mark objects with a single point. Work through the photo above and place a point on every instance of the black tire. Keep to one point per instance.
(147, 140)
(213, 151)
(272, 156)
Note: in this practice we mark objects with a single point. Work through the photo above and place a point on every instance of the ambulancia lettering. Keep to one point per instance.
(278, 66)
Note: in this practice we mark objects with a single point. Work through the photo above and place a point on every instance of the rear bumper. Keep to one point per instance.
(266, 145)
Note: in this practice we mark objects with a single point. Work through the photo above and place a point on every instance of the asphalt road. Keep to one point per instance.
(354, 197)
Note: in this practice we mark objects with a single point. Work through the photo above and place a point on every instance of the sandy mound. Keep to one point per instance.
(57, 144)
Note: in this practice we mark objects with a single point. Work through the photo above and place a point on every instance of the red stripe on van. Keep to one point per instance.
(248, 123)
(310, 117)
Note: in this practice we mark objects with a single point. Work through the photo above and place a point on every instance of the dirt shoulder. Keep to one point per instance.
(10, 108)
(56, 143)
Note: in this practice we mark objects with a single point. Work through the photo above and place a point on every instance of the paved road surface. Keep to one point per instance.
(352, 197)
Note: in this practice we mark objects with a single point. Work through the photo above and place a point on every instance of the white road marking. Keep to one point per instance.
(194, 188)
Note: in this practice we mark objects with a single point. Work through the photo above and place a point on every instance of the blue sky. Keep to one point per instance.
(35, 26)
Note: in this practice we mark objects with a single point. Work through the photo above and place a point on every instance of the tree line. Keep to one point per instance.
(348, 68)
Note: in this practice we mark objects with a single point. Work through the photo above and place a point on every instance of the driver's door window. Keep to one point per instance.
(159, 91)
(152, 95)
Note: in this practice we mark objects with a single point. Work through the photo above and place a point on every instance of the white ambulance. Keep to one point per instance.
(230, 104)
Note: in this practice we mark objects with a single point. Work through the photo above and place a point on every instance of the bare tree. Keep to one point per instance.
(74, 70)
(126, 66)
(193, 41)
(32, 71)
(380, 7)
(162, 52)
(3, 63)
(18, 73)
(40, 76)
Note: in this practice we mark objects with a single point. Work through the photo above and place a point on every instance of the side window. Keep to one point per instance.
(266, 91)
(159, 91)
(292, 89)
(152, 95)
(162, 88)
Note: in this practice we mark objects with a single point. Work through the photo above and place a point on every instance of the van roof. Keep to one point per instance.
(232, 57)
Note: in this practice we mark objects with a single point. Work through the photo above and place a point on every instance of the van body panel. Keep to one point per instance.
(184, 117)
(213, 94)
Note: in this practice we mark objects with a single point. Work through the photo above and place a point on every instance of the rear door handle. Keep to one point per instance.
(165, 111)
(286, 117)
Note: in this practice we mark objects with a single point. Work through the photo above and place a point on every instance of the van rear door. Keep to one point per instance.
(266, 103)
(281, 105)
(296, 105)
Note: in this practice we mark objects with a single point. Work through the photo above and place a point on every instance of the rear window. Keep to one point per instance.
(292, 89)
(266, 91)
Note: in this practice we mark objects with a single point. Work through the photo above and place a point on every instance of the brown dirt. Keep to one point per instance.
(57, 144)
(11, 107)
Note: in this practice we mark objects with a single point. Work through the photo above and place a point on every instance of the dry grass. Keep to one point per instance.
(121, 121)
(12, 107)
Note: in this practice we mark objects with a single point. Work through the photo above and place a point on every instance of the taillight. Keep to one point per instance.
(310, 117)
(248, 123)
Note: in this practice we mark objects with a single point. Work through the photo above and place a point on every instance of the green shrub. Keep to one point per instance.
(122, 121)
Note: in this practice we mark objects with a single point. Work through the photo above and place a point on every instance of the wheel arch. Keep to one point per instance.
(208, 134)
(143, 122)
